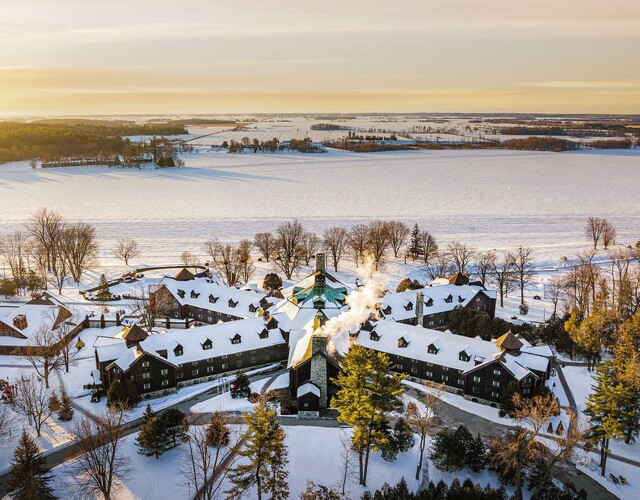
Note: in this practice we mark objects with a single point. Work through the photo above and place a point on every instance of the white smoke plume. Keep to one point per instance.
(362, 303)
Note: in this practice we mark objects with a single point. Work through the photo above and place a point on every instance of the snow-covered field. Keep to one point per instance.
(491, 199)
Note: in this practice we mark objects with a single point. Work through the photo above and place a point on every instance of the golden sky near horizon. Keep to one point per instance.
(69, 57)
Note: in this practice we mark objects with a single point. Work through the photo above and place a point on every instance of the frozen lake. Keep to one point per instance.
(492, 199)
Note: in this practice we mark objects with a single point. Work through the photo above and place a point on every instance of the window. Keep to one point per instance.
(495, 395)
(179, 374)
(463, 356)
(223, 366)
(429, 303)
(145, 364)
(209, 369)
(428, 374)
(194, 372)
(429, 364)
(445, 378)
(475, 390)
(460, 381)
(449, 299)
(264, 334)
(414, 370)
(164, 371)
(165, 382)
(207, 345)
(497, 372)
(477, 379)
(445, 368)
(146, 375)
(146, 387)
(399, 366)
(409, 306)
(374, 336)
(116, 369)
(496, 383)
(432, 349)
(236, 340)
(178, 351)
(526, 391)
(132, 378)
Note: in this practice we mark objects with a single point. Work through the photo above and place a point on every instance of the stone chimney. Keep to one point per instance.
(321, 262)
(319, 366)
(420, 309)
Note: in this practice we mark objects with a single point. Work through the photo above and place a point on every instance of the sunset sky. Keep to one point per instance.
(73, 57)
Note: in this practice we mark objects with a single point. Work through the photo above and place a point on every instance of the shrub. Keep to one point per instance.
(123, 393)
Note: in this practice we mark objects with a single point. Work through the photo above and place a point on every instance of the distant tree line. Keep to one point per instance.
(328, 126)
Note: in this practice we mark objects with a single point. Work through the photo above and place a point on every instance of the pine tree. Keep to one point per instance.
(65, 412)
(415, 244)
(476, 454)
(401, 440)
(104, 294)
(54, 402)
(266, 456)
(29, 474)
(175, 426)
(152, 439)
(366, 394)
(217, 433)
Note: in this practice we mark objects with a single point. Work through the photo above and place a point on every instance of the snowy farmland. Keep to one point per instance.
(491, 199)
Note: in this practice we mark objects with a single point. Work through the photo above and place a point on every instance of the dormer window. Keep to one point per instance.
(252, 308)
(429, 302)
(212, 299)
(178, 350)
(409, 306)
(402, 342)
(387, 310)
(264, 334)
(463, 356)
(449, 299)
(374, 336)
(432, 349)
(194, 295)
(460, 298)
(232, 303)
(319, 304)
(236, 339)
(207, 344)
(181, 294)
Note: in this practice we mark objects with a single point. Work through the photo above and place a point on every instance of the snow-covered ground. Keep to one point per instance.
(491, 199)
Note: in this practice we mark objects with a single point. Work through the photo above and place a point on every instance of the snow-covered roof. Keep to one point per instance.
(538, 350)
(435, 300)
(419, 339)
(191, 341)
(308, 388)
(206, 294)
(111, 351)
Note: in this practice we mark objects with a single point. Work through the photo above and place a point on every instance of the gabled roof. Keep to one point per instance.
(459, 279)
(308, 388)
(134, 333)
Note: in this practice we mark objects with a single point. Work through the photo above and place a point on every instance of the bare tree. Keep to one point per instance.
(188, 259)
(439, 265)
(503, 275)
(523, 266)
(289, 247)
(336, 240)
(609, 234)
(149, 306)
(266, 244)
(209, 454)
(12, 250)
(247, 267)
(59, 273)
(358, 242)
(420, 418)
(63, 341)
(377, 242)
(228, 265)
(483, 264)
(461, 255)
(348, 461)
(310, 245)
(45, 226)
(79, 248)
(126, 249)
(32, 400)
(593, 230)
(101, 459)
(429, 245)
(7, 422)
(398, 233)
(212, 248)
(43, 351)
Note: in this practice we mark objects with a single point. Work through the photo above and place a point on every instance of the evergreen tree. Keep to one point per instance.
(448, 450)
(65, 411)
(415, 243)
(476, 454)
(29, 474)
(401, 440)
(265, 454)
(217, 433)
(103, 294)
(272, 282)
(54, 402)
(123, 393)
(506, 398)
(366, 394)
(605, 407)
(175, 427)
(152, 439)
(240, 388)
